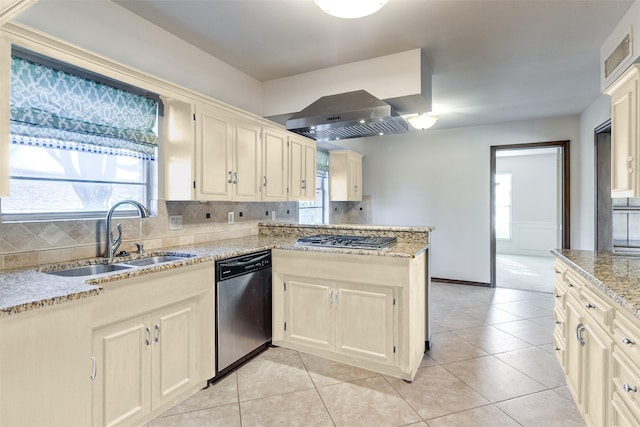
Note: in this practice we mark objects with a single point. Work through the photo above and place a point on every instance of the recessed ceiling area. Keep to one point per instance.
(492, 61)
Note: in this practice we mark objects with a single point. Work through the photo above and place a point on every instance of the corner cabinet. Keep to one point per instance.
(365, 310)
(596, 346)
(302, 169)
(46, 365)
(345, 176)
(624, 134)
(160, 353)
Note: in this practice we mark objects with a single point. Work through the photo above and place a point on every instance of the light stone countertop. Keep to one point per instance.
(28, 289)
(617, 276)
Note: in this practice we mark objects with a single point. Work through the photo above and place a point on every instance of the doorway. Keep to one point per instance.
(529, 213)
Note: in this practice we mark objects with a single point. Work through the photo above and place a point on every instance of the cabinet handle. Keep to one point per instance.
(264, 181)
(355, 188)
(304, 184)
(627, 341)
(235, 177)
(557, 296)
(590, 306)
(157, 332)
(148, 339)
(570, 284)
(230, 180)
(556, 348)
(331, 297)
(94, 368)
(579, 330)
(337, 296)
(557, 322)
(629, 388)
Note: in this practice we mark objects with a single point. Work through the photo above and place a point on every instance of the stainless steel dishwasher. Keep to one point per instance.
(243, 309)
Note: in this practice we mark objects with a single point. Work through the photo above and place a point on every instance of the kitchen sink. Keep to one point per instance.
(158, 259)
(90, 270)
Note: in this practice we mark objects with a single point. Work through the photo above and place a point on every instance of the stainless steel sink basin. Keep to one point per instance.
(156, 260)
(90, 270)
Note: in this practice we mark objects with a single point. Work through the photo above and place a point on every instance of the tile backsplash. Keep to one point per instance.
(351, 212)
(29, 244)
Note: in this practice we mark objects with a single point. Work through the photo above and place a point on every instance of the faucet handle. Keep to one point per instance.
(139, 247)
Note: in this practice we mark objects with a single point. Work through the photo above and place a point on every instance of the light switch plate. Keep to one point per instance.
(230, 217)
(175, 222)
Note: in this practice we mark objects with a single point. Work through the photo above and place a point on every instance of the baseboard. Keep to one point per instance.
(461, 282)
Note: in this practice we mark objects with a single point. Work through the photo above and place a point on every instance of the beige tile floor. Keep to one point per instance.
(491, 364)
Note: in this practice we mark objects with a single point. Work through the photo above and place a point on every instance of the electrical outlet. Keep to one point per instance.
(273, 215)
(229, 217)
(175, 222)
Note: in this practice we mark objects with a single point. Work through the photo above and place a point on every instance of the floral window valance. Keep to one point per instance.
(53, 108)
(322, 162)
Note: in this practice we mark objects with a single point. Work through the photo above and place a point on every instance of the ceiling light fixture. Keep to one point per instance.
(423, 121)
(350, 9)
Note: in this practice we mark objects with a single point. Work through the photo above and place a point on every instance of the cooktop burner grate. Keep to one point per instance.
(345, 241)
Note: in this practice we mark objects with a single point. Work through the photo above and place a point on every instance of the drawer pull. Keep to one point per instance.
(570, 285)
(557, 296)
(627, 341)
(557, 348)
(557, 322)
(590, 306)
(628, 388)
(148, 338)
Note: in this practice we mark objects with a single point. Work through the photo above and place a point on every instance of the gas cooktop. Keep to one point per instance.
(343, 241)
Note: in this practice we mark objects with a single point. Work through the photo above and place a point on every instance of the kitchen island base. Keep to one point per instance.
(364, 310)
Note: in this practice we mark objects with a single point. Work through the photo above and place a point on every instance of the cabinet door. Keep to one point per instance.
(214, 154)
(573, 350)
(121, 389)
(174, 351)
(45, 366)
(248, 163)
(355, 178)
(364, 322)
(296, 169)
(308, 313)
(624, 122)
(596, 375)
(178, 150)
(275, 166)
(309, 177)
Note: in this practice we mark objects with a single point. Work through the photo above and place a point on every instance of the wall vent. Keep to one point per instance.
(619, 54)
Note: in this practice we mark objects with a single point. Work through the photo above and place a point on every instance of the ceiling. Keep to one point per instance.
(493, 61)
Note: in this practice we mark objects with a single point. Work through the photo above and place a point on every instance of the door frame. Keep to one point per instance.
(566, 186)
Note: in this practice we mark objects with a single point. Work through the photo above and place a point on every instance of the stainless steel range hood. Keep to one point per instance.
(347, 115)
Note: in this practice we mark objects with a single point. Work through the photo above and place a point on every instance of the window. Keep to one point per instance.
(317, 211)
(503, 206)
(79, 142)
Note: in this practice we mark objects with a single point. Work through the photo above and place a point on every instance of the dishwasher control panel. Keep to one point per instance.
(237, 266)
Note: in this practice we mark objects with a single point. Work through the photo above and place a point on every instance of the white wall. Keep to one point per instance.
(441, 178)
(105, 28)
(535, 217)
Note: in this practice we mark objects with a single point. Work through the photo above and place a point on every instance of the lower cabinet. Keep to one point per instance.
(158, 354)
(367, 311)
(349, 319)
(597, 343)
(45, 366)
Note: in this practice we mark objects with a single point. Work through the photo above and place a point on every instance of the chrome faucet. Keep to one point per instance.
(114, 244)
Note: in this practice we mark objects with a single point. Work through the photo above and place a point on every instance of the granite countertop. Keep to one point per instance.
(617, 276)
(28, 289)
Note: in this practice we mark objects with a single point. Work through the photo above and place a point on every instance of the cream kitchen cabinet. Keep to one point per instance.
(367, 311)
(625, 139)
(350, 319)
(275, 165)
(160, 353)
(302, 169)
(45, 366)
(345, 176)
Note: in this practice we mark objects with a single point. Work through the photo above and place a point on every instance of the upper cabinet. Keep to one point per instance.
(345, 176)
(211, 153)
(624, 134)
(302, 169)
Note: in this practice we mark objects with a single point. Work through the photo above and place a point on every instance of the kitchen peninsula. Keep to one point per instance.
(383, 292)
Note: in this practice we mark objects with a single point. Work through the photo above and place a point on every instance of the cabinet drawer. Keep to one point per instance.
(626, 381)
(596, 307)
(621, 414)
(574, 283)
(560, 269)
(626, 334)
